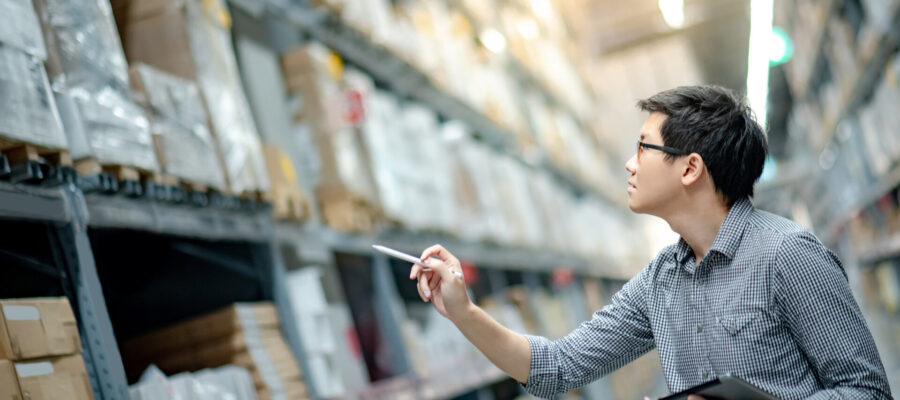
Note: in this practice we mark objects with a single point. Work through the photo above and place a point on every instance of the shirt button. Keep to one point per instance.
(699, 328)
(705, 375)
(699, 282)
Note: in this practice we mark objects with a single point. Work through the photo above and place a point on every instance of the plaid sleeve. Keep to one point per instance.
(830, 331)
(615, 336)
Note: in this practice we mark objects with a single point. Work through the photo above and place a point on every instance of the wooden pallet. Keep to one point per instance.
(290, 207)
(288, 200)
(255, 195)
(19, 152)
(347, 212)
(122, 173)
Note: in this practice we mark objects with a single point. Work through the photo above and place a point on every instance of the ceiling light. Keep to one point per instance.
(493, 40)
(672, 12)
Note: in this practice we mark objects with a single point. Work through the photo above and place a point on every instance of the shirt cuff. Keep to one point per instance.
(543, 375)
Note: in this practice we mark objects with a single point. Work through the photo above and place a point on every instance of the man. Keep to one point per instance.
(742, 292)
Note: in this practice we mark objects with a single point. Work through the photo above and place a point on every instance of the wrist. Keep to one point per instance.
(466, 314)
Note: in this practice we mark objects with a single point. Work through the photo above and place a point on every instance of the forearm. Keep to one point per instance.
(850, 393)
(508, 350)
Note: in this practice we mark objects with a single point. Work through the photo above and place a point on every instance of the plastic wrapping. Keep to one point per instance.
(224, 383)
(84, 46)
(29, 110)
(87, 44)
(19, 27)
(184, 144)
(229, 111)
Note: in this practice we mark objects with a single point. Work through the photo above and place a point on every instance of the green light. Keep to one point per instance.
(780, 47)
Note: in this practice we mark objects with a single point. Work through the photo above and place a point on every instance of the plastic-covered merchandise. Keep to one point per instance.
(191, 39)
(87, 44)
(228, 382)
(116, 130)
(427, 175)
(185, 147)
(19, 27)
(319, 340)
(86, 64)
(529, 228)
(229, 111)
(29, 110)
(455, 135)
(479, 162)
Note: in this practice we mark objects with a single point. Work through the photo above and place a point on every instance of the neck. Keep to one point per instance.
(698, 223)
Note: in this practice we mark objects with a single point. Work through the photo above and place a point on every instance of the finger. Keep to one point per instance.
(423, 284)
(434, 283)
(421, 291)
(440, 268)
(436, 251)
(414, 271)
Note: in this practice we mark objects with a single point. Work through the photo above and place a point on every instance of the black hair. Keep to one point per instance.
(719, 125)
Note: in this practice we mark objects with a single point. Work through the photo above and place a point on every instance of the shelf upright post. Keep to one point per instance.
(390, 313)
(101, 353)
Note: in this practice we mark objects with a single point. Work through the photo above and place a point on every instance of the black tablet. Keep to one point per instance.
(725, 387)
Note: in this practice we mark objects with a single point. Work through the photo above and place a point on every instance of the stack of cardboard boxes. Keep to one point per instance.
(245, 334)
(345, 189)
(40, 351)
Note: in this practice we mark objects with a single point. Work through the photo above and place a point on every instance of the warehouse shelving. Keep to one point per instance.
(405, 80)
(55, 217)
(201, 222)
(318, 239)
(885, 248)
(805, 82)
(831, 173)
(866, 198)
(79, 221)
(860, 87)
(853, 94)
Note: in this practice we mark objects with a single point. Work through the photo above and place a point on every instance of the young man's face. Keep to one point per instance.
(653, 182)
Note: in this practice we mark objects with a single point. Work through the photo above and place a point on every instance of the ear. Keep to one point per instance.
(693, 169)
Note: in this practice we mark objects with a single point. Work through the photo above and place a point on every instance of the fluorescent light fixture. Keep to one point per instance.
(758, 57)
(673, 12)
(528, 28)
(493, 40)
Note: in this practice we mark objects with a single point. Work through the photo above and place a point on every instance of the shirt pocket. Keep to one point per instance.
(735, 323)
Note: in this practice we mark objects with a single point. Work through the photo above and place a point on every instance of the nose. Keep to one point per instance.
(631, 164)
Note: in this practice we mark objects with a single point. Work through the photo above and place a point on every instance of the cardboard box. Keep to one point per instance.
(245, 335)
(48, 379)
(40, 327)
(9, 384)
(208, 327)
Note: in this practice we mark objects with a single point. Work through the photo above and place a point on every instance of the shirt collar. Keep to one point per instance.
(729, 236)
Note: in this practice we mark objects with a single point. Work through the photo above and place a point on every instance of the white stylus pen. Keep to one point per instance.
(406, 257)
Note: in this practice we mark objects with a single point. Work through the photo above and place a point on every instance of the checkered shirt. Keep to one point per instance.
(769, 303)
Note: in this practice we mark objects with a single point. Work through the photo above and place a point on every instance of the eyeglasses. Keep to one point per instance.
(664, 149)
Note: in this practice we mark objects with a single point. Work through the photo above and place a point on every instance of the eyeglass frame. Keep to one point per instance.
(665, 149)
